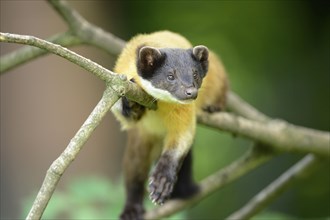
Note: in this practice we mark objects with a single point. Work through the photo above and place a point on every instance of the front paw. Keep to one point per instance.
(132, 109)
(132, 212)
(160, 188)
(162, 181)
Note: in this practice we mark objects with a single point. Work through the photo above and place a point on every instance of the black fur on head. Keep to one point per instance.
(179, 72)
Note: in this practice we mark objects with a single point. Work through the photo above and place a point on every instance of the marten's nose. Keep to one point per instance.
(191, 92)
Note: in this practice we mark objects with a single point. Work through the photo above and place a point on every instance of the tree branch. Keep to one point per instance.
(26, 54)
(240, 107)
(59, 166)
(277, 134)
(86, 31)
(118, 83)
(267, 195)
(250, 160)
(81, 31)
(85, 63)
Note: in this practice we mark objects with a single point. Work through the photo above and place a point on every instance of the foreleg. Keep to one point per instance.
(165, 173)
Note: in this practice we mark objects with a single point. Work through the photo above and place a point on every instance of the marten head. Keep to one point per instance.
(172, 74)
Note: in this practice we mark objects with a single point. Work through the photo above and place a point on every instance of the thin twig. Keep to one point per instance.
(59, 166)
(26, 54)
(267, 195)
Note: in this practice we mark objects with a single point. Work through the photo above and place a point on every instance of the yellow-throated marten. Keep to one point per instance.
(183, 80)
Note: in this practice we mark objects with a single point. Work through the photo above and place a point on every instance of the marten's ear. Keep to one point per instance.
(201, 53)
(148, 58)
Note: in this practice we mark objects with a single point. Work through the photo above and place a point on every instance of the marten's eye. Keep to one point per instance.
(170, 77)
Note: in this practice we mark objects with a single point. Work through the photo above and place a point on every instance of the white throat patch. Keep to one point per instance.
(160, 94)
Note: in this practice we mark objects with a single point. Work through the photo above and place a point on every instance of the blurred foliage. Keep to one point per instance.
(88, 197)
(93, 197)
(273, 216)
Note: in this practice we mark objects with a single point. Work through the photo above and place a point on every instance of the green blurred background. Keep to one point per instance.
(277, 55)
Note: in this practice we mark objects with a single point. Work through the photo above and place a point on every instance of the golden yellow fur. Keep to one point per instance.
(175, 117)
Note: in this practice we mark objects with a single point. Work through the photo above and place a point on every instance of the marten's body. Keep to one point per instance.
(167, 67)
